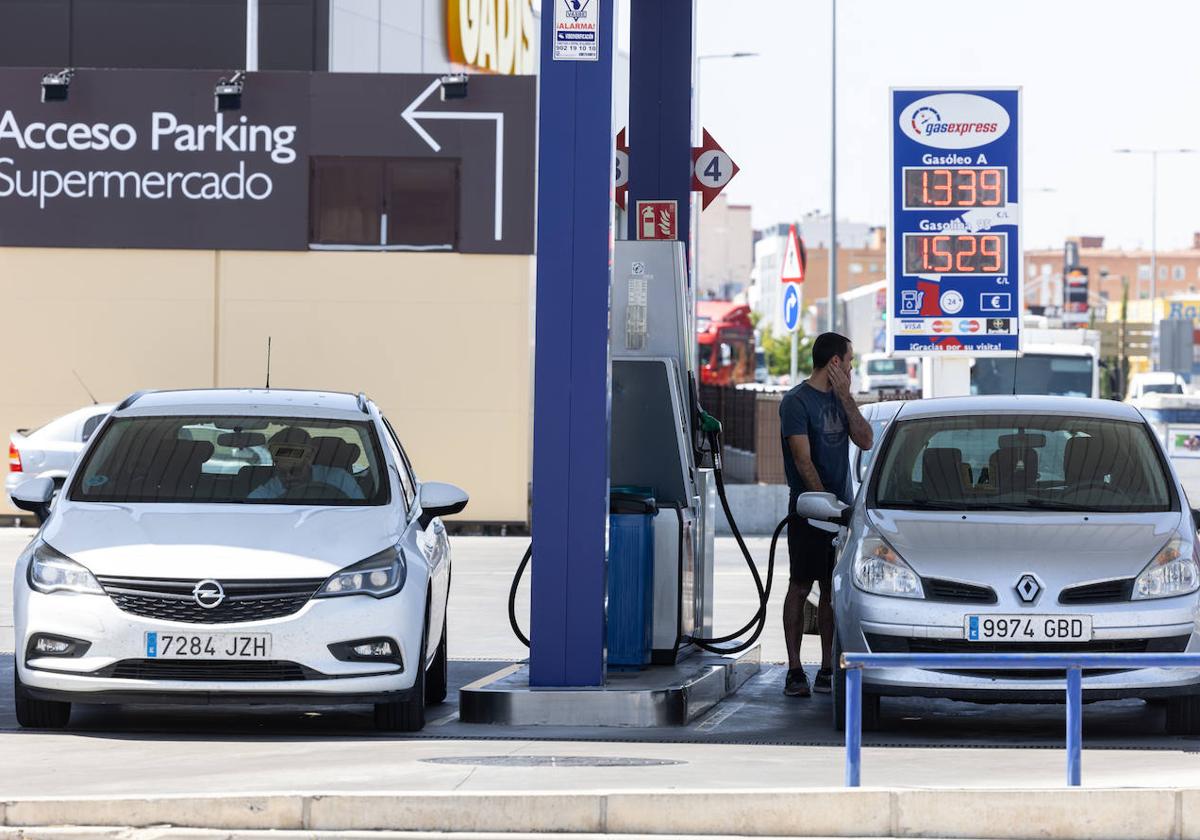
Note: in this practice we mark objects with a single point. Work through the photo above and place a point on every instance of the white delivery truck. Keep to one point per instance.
(1055, 362)
(879, 372)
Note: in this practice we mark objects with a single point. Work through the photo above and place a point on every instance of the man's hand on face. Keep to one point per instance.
(839, 380)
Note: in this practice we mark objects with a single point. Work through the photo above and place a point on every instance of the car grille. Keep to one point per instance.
(953, 590)
(899, 644)
(207, 670)
(1104, 592)
(245, 600)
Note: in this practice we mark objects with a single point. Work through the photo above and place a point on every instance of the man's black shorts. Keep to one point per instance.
(810, 549)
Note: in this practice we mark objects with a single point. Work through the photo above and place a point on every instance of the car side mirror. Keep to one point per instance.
(860, 466)
(440, 499)
(33, 494)
(823, 510)
(1196, 518)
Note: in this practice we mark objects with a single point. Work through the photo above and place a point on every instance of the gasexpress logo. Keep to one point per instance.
(954, 121)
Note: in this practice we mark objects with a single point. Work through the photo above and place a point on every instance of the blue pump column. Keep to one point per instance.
(661, 47)
(571, 368)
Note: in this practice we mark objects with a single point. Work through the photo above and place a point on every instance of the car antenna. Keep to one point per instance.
(85, 387)
(1016, 361)
(268, 363)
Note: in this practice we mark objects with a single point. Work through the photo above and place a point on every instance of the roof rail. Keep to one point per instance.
(362, 403)
(132, 398)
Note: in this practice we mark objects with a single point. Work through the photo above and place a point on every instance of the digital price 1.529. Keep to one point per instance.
(955, 253)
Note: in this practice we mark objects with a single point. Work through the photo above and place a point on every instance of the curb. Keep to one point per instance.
(1079, 814)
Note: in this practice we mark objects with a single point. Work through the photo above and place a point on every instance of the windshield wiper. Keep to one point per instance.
(1051, 504)
(920, 504)
(1037, 504)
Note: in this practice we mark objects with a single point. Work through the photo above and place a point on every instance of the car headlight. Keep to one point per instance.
(878, 569)
(1173, 571)
(52, 571)
(379, 576)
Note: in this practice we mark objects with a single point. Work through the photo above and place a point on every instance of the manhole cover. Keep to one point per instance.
(552, 761)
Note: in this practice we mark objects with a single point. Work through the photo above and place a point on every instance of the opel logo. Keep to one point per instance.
(1028, 589)
(208, 594)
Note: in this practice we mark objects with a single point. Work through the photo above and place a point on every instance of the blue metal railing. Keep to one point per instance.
(1072, 663)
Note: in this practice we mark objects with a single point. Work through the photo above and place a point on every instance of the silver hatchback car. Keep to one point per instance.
(1015, 524)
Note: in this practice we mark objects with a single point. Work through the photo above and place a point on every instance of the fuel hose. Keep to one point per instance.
(717, 644)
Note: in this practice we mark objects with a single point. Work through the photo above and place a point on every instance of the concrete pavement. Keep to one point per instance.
(758, 739)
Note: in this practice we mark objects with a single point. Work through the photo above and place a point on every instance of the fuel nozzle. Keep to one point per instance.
(709, 424)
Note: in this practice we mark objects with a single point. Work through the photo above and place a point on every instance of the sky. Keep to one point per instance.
(1097, 75)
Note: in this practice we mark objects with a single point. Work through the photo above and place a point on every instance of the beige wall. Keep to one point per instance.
(726, 246)
(440, 341)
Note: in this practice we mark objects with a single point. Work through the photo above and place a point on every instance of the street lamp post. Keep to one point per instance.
(1154, 153)
(833, 243)
(696, 139)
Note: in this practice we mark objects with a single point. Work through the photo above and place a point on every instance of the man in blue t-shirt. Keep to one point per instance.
(817, 418)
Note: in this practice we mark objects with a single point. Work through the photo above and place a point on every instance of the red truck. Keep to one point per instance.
(725, 335)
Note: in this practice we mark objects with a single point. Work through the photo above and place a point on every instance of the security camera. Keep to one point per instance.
(227, 95)
(56, 85)
(454, 86)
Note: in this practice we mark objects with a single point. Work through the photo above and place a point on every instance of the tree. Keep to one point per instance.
(778, 351)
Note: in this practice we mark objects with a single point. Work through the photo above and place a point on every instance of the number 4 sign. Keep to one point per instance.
(712, 169)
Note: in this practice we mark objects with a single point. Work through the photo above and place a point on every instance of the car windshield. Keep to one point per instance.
(234, 460)
(1022, 462)
(1047, 375)
(879, 424)
(881, 367)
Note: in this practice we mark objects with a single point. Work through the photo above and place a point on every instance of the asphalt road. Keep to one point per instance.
(758, 738)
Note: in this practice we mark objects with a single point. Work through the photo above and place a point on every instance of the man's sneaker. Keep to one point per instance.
(823, 684)
(796, 684)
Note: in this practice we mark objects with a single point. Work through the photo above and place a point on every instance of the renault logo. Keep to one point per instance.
(1028, 589)
(208, 594)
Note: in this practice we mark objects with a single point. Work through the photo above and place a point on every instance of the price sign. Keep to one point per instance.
(956, 269)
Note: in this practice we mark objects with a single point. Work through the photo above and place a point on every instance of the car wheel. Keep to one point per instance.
(1183, 715)
(406, 715)
(437, 678)
(870, 702)
(39, 714)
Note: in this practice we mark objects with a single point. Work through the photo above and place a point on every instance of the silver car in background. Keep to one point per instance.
(1015, 524)
(51, 450)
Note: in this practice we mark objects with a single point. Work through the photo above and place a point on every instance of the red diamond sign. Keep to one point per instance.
(712, 169)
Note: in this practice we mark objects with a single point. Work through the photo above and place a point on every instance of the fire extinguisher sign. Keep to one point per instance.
(657, 220)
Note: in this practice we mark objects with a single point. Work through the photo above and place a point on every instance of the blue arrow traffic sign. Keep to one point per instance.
(791, 307)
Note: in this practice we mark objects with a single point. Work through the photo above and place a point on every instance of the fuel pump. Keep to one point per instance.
(666, 445)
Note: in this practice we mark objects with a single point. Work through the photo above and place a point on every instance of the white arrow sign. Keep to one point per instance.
(413, 117)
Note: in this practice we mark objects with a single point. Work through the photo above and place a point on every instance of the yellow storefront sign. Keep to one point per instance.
(499, 36)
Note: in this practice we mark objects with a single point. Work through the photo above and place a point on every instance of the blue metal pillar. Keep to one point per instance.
(571, 373)
(854, 727)
(1074, 726)
(661, 47)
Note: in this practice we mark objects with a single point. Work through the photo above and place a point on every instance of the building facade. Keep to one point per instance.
(860, 265)
(1110, 270)
(726, 259)
(147, 241)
